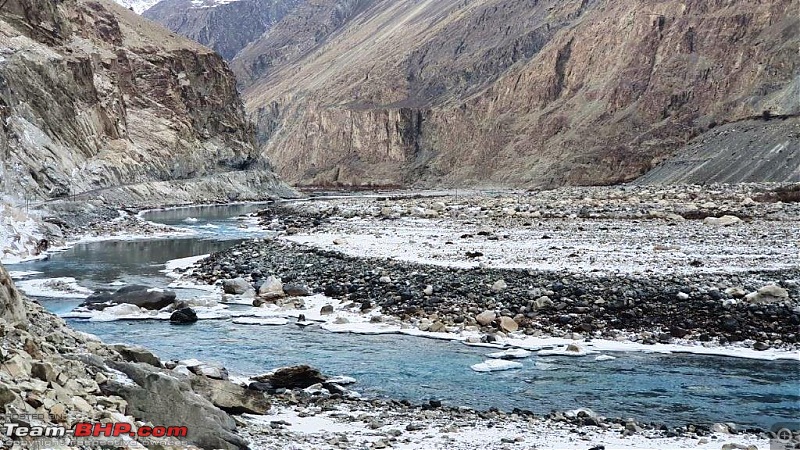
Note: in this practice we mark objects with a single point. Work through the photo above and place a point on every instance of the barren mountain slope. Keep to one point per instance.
(511, 92)
(223, 25)
(94, 96)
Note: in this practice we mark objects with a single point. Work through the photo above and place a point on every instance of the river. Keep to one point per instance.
(664, 388)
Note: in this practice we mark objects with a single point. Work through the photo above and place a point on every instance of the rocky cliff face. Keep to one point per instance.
(225, 26)
(11, 307)
(511, 92)
(53, 375)
(92, 96)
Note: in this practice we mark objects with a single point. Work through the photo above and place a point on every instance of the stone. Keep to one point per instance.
(768, 294)
(43, 371)
(296, 377)
(724, 221)
(210, 371)
(183, 316)
(81, 404)
(437, 327)
(499, 286)
(137, 354)
(6, 395)
(428, 290)
(542, 302)
(485, 318)
(142, 296)
(296, 290)
(236, 286)
(385, 279)
(760, 346)
(736, 292)
(231, 397)
(272, 288)
(720, 428)
(326, 310)
(508, 324)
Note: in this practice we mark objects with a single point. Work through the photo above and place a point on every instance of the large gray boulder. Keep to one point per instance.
(142, 296)
(230, 397)
(160, 398)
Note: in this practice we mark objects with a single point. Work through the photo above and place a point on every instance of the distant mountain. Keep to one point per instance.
(226, 26)
(518, 92)
(503, 92)
(138, 6)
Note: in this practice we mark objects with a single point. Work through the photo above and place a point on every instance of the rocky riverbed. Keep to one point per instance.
(750, 299)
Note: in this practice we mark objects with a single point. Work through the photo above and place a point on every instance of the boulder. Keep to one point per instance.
(296, 290)
(236, 286)
(499, 286)
(542, 302)
(768, 294)
(231, 397)
(142, 296)
(272, 288)
(326, 310)
(209, 371)
(183, 316)
(296, 377)
(43, 371)
(437, 327)
(508, 324)
(485, 318)
(163, 400)
(137, 354)
(724, 221)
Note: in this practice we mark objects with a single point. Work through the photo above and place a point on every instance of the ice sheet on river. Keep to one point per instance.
(63, 287)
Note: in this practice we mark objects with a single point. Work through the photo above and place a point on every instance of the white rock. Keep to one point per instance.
(723, 221)
(683, 296)
(605, 358)
(499, 285)
(273, 286)
(486, 317)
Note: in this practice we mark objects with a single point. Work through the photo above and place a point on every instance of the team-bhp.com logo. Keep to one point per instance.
(87, 429)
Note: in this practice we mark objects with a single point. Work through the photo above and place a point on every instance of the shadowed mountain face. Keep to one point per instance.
(225, 26)
(511, 92)
(93, 96)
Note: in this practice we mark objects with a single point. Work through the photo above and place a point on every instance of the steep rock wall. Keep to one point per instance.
(519, 93)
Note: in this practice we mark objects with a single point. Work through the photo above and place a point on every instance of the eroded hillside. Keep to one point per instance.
(511, 92)
(93, 96)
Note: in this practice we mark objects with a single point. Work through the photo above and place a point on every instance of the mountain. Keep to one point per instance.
(137, 6)
(513, 92)
(226, 26)
(97, 101)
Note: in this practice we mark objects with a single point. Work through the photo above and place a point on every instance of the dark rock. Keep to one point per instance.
(297, 377)
(137, 354)
(183, 316)
(142, 296)
(236, 286)
(296, 290)
(231, 397)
